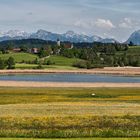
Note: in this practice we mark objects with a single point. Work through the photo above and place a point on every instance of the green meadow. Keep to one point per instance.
(70, 113)
(76, 139)
(19, 57)
(133, 50)
(60, 62)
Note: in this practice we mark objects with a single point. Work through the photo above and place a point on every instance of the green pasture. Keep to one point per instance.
(62, 61)
(19, 57)
(70, 113)
(74, 139)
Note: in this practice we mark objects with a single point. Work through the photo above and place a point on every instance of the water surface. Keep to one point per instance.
(70, 78)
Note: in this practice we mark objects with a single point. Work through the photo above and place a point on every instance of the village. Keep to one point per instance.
(35, 50)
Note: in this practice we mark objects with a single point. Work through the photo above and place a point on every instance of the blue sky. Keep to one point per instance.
(106, 18)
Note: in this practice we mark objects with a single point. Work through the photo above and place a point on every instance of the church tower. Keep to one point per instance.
(58, 42)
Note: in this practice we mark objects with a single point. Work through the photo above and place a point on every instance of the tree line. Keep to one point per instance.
(7, 64)
(91, 54)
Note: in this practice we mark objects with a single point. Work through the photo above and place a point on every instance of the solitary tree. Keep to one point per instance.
(43, 53)
(2, 64)
(11, 63)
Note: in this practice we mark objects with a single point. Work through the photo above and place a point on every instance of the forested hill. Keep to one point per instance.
(30, 43)
(38, 43)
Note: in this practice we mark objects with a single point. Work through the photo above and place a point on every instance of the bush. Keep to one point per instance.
(98, 66)
(80, 64)
(11, 63)
(49, 62)
(2, 64)
(39, 66)
(36, 61)
(84, 64)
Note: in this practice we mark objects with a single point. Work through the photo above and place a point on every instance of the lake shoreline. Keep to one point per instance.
(126, 71)
(67, 84)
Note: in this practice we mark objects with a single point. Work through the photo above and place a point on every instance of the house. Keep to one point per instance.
(68, 45)
(16, 50)
(35, 50)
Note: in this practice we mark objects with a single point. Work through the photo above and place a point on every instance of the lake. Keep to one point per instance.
(71, 78)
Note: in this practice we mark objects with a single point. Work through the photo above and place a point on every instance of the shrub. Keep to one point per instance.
(11, 63)
(49, 62)
(2, 64)
(39, 66)
(84, 64)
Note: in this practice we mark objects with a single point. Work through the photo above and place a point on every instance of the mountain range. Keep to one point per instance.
(45, 35)
(68, 36)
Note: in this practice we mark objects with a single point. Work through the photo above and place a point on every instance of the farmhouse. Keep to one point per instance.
(34, 50)
(68, 45)
(16, 50)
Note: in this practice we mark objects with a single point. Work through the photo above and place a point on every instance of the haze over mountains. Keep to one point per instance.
(68, 36)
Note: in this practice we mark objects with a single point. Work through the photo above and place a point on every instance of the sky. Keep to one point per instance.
(106, 18)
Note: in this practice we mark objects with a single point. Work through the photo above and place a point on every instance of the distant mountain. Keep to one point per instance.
(70, 36)
(14, 33)
(45, 35)
(108, 40)
(74, 37)
(134, 38)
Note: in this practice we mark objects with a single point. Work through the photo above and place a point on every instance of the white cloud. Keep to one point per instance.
(81, 23)
(126, 23)
(103, 23)
(90, 23)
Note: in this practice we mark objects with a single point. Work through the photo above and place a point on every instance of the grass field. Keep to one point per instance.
(63, 61)
(60, 62)
(69, 113)
(19, 57)
(134, 50)
(55, 67)
(76, 139)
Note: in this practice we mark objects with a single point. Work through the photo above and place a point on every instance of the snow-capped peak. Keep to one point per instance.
(70, 33)
(15, 33)
(41, 31)
(45, 35)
